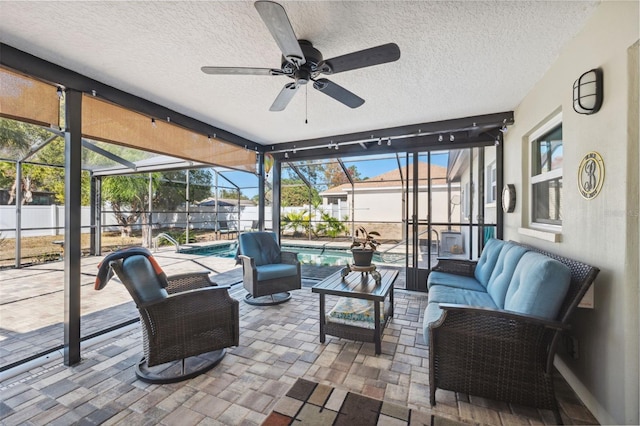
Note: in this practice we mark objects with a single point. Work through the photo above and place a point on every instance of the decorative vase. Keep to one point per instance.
(362, 257)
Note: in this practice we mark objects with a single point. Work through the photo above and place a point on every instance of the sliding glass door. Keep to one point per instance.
(450, 209)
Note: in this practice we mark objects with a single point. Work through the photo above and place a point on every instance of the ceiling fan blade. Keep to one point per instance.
(240, 71)
(284, 97)
(338, 93)
(276, 20)
(364, 58)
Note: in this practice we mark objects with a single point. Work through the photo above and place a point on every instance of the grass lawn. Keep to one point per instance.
(43, 249)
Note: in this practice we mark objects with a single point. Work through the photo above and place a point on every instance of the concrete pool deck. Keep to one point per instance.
(32, 298)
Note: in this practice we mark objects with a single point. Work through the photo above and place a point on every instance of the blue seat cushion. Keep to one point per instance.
(503, 271)
(460, 296)
(453, 280)
(277, 270)
(538, 286)
(144, 279)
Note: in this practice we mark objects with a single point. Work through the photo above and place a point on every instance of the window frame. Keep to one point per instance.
(491, 184)
(533, 179)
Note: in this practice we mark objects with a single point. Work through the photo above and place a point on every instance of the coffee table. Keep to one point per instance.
(358, 285)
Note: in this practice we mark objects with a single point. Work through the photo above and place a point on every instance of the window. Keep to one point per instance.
(546, 174)
(466, 205)
(491, 192)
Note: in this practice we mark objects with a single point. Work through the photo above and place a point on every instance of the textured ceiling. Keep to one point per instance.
(458, 58)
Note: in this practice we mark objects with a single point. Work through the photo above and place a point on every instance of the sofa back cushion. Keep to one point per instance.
(503, 272)
(488, 260)
(538, 286)
(261, 246)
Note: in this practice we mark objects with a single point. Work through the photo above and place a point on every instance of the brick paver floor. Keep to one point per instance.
(278, 344)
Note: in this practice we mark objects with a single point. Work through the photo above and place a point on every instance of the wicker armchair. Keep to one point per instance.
(267, 270)
(187, 321)
(498, 354)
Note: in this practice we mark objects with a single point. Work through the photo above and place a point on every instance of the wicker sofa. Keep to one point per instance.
(493, 326)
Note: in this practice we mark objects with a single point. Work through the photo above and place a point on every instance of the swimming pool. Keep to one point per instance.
(306, 255)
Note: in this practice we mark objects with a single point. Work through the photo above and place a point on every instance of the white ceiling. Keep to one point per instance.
(458, 58)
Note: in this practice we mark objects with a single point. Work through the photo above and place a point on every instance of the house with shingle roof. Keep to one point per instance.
(381, 198)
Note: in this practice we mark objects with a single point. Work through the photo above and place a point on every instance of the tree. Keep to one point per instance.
(335, 176)
(129, 195)
(16, 140)
(173, 188)
(294, 192)
(232, 194)
(268, 194)
(311, 170)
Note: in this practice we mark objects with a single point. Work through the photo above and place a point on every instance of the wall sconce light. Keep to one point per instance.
(587, 92)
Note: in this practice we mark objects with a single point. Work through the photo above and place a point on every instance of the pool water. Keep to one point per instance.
(219, 250)
(306, 255)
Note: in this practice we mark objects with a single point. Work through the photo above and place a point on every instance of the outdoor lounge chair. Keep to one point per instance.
(267, 271)
(224, 228)
(187, 321)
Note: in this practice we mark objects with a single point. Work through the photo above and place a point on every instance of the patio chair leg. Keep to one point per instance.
(276, 299)
(191, 367)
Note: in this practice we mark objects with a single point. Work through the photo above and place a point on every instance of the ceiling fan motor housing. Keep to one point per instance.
(309, 69)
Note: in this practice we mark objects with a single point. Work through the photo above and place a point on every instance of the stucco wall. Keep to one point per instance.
(385, 205)
(602, 231)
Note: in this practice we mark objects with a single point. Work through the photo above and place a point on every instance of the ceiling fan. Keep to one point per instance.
(303, 63)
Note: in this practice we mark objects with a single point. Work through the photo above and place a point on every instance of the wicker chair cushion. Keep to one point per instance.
(278, 270)
(357, 312)
(261, 246)
(460, 296)
(538, 286)
(503, 271)
(143, 279)
(488, 260)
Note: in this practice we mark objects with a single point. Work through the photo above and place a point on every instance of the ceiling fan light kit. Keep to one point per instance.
(303, 63)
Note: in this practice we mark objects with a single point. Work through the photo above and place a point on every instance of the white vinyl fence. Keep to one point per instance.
(49, 220)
